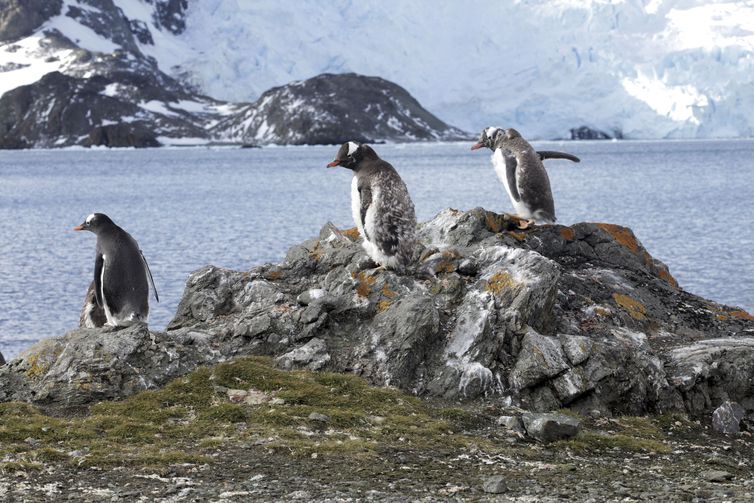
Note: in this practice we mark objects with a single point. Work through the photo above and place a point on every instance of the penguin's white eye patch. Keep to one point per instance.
(491, 132)
(352, 147)
(90, 218)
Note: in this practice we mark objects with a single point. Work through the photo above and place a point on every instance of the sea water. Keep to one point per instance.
(689, 202)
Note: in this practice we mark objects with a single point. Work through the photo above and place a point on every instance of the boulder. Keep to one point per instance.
(727, 418)
(551, 427)
(549, 317)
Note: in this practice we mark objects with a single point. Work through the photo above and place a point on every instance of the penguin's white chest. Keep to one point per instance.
(108, 313)
(498, 162)
(356, 205)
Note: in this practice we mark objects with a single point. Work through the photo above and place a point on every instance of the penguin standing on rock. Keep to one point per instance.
(519, 167)
(381, 206)
(121, 275)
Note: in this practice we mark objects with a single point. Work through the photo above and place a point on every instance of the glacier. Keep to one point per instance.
(644, 68)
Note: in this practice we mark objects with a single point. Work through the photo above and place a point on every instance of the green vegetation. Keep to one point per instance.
(192, 419)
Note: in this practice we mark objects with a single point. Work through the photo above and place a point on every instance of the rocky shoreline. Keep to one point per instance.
(498, 323)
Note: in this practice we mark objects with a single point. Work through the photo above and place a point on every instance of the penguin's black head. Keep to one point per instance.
(488, 137)
(351, 153)
(94, 223)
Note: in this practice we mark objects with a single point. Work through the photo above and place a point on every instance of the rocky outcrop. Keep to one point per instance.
(118, 107)
(332, 109)
(19, 18)
(588, 133)
(550, 317)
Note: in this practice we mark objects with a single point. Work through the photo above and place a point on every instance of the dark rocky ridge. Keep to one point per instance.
(555, 316)
(333, 109)
(142, 104)
(19, 18)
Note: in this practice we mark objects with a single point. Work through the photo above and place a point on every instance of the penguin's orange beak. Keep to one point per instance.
(333, 164)
(477, 146)
(79, 228)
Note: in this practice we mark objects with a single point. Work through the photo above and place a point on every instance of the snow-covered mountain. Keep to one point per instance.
(640, 68)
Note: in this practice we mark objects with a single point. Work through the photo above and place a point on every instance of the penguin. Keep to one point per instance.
(381, 206)
(486, 140)
(519, 167)
(121, 274)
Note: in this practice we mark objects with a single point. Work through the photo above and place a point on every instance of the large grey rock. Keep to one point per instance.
(540, 358)
(714, 371)
(88, 365)
(727, 418)
(549, 317)
(311, 356)
(551, 427)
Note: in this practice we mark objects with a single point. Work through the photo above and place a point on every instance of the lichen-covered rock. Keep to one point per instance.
(89, 365)
(541, 318)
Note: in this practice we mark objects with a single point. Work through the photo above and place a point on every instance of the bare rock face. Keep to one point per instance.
(332, 109)
(120, 107)
(19, 18)
(88, 365)
(551, 317)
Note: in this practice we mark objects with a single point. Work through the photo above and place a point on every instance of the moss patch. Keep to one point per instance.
(629, 434)
(192, 417)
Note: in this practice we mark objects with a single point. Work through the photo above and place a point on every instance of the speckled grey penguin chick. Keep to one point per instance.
(381, 206)
(519, 167)
(121, 276)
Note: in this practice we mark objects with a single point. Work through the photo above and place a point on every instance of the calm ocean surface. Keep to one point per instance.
(690, 203)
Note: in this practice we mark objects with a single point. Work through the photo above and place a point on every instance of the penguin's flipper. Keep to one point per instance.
(365, 198)
(510, 171)
(149, 275)
(554, 154)
(99, 263)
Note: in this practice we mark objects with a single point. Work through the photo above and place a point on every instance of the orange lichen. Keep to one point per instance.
(352, 233)
(273, 275)
(317, 253)
(445, 266)
(633, 307)
(664, 274)
(567, 233)
(622, 235)
(495, 223)
(499, 281)
(518, 236)
(741, 314)
(383, 305)
(387, 292)
(363, 283)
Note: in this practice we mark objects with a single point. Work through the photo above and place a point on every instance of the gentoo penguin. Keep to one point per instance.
(486, 139)
(519, 167)
(381, 206)
(121, 274)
